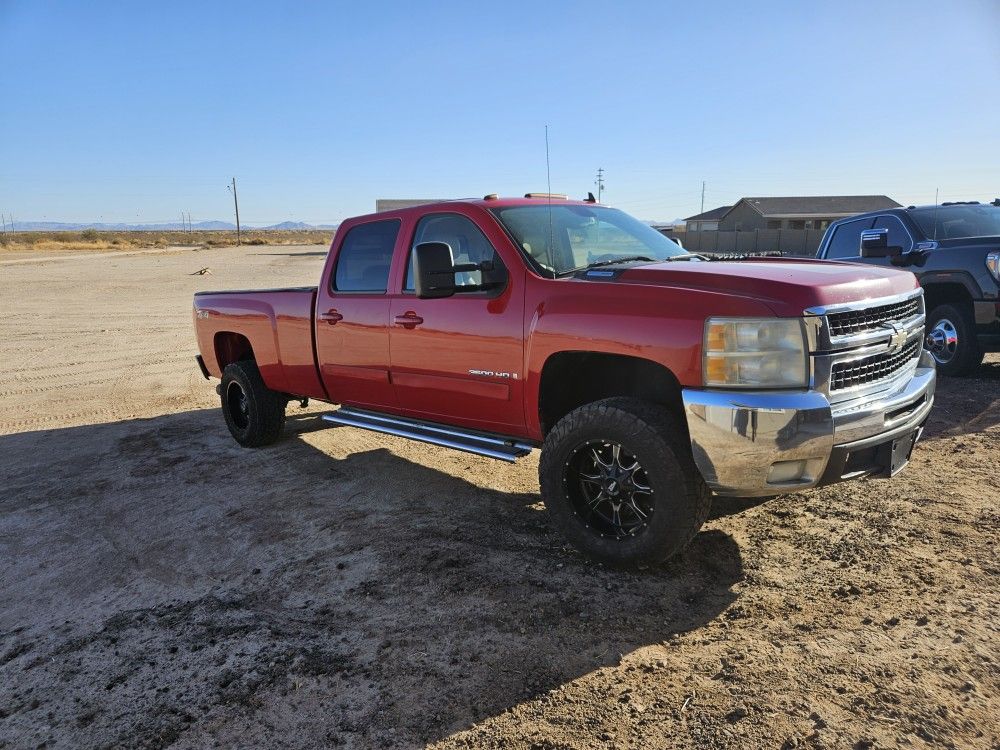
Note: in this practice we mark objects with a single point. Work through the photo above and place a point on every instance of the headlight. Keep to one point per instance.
(993, 263)
(755, 353)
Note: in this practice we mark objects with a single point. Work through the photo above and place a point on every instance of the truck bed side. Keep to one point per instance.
(272, 326)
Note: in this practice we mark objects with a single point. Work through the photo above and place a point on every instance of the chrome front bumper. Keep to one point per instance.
(760, 443)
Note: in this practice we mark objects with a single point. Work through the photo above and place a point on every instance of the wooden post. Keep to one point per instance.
(237, 204)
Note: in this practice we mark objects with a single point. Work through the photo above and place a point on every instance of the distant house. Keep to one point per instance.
(707, 221)
(394, 204)
(802, 212)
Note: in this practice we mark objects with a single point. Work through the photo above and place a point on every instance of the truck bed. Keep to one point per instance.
(276, 324)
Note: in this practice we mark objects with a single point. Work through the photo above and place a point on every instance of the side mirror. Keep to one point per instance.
(875, 244)
(433, 270)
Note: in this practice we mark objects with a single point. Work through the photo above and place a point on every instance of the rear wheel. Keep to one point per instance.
(619, 481)
(254, 413)
(951, 339)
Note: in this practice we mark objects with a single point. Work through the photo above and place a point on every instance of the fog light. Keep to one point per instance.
(786, 471)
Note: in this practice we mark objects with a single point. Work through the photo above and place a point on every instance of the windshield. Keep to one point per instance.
(954, 222)
(563, 238)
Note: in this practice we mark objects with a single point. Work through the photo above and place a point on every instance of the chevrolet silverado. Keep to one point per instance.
(648, 376)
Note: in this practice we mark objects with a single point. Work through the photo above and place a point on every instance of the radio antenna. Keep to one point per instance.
(934, 220)
(548, 181)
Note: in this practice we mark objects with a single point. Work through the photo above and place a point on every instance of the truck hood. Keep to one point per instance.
(787, 286)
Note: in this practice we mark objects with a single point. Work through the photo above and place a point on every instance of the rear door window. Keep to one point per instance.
(365, 257)
(846, 240)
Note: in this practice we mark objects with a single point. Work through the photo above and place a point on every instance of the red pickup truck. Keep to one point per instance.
(650, 377)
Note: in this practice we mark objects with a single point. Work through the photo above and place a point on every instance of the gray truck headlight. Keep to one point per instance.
(755, 353)
(993, 264)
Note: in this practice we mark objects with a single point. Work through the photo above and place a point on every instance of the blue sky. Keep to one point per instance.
(139, 111)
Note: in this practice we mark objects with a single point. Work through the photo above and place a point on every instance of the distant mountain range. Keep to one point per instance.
(172, 226)
(197, 226)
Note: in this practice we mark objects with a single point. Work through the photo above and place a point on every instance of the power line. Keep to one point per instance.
(600, 183)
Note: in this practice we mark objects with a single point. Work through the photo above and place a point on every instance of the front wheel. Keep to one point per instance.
(618, 478)
(254, 413)
(951, 339)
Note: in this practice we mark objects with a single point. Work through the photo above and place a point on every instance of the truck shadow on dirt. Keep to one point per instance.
(165, 585)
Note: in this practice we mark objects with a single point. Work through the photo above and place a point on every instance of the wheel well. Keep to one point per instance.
(572, 379)
(945, 293)
(232, 347)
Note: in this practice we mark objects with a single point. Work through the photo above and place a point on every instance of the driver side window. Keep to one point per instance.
(898, 236)
(468, 245)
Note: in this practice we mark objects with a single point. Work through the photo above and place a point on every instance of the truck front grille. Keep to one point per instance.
(872, 369)
(862, 321)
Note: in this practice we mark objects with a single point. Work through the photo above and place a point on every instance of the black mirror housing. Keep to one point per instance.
(433, 270)
(875, 244)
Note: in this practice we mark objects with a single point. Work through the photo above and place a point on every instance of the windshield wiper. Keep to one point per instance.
(609, 262)
(631, 259)
(613, 261)
(687, 256)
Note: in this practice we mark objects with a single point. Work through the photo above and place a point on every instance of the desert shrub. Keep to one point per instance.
(90, 235)
(256, 241)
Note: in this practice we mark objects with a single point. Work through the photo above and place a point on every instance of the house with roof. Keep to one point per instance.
(796, 212)
(707, 221)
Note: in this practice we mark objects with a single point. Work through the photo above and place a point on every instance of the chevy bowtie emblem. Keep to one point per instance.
(897, 336)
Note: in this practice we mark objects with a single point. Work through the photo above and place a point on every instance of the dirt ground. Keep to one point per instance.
(162, 587)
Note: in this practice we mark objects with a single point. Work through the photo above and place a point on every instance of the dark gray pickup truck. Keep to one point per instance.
(954, 249)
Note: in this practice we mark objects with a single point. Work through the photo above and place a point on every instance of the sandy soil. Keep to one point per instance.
(160, 586)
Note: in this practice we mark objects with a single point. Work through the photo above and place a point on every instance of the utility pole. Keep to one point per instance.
(600, 183)
(236, 203)
(702, 197)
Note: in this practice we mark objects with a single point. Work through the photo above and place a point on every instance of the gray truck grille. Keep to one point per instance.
(860, 321)
(872, 369)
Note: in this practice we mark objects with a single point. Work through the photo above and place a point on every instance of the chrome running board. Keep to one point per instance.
(491, 446)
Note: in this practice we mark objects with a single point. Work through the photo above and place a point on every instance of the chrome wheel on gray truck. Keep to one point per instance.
(619, 481)
(254, 413)
(952, 342)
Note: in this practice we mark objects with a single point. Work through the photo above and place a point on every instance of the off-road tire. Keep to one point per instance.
(968, 355)
(651, 435)
(260, 422)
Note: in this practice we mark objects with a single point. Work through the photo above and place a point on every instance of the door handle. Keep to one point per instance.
(331, 316)
(408, 320)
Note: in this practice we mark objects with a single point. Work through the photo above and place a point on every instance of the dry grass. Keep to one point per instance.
(94, 240)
